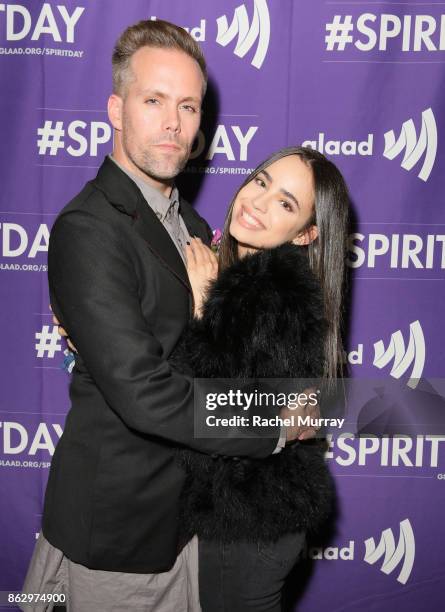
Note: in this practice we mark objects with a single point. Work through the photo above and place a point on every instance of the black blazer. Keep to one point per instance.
(120, 288)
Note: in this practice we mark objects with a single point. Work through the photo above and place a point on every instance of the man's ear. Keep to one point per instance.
(115, 104)
(306, 236)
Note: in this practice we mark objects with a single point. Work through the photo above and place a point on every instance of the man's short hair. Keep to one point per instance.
(159, 34)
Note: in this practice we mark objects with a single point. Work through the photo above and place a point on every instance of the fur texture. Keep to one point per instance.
(263, 319)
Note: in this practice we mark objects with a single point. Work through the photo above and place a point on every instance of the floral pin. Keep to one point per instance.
(216, 240)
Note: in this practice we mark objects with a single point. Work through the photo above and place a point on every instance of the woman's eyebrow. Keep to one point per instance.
(267, 175)
(283, 191)
(290, 196)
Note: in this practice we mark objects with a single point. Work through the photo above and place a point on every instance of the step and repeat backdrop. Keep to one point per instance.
(362, 82)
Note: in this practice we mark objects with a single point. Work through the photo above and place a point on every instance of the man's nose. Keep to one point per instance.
(172, 122)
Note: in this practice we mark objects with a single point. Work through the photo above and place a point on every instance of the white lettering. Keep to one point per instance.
(8, 228)
(77, 137)
(70, 20)
(8, 447)
(367, 31)
(46, 15)
(40, 242)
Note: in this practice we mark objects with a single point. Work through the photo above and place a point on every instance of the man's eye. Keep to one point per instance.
(189, 108)
(151, 101)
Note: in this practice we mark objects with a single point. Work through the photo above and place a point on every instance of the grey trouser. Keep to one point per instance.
(89, 590)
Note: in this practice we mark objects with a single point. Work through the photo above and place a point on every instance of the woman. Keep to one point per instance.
(274, 310)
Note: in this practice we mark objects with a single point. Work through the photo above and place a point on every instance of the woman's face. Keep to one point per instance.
(274, 207)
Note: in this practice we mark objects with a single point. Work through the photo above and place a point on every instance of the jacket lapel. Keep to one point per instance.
(194, 224)
(124, 195)
(158, 239)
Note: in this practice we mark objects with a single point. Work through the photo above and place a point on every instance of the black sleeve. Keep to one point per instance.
(94, 293)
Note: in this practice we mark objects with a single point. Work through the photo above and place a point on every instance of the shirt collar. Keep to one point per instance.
(154, 198)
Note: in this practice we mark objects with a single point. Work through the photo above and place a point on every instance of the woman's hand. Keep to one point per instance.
(62, 332)
(304, 409)
(202, 269)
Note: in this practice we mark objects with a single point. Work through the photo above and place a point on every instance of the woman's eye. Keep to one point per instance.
(260, 182)
(286, 205)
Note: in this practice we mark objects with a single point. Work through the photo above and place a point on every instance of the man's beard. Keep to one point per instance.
(159, 166)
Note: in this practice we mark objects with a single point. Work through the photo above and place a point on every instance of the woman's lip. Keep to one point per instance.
(246, 224)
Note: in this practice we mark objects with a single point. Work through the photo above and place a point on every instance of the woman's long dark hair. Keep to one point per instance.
(326, 254)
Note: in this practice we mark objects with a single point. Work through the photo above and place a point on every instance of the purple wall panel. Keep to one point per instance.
(289, 87)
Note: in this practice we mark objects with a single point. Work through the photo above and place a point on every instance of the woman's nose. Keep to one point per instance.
(260, 203)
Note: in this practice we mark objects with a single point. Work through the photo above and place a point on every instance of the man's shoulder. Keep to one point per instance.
(111, 192)
(88, 199)
(90, 215)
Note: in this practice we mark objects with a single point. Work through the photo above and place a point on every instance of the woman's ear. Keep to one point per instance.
(115, 111)
(306, 236)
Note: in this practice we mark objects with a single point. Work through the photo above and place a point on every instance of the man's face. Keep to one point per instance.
(159, 115)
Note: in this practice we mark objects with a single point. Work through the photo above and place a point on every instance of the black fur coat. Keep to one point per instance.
(263, 319)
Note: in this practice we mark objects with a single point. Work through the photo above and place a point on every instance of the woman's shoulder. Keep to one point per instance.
(282, 269)
(286, 254)
(270, 289)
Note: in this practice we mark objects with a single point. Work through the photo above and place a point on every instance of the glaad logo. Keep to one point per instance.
(247, 34)
(345, 147)
(406, 549)
(414, 148)
(415, 353)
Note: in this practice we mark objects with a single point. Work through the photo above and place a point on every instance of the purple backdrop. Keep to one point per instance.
(360, 81)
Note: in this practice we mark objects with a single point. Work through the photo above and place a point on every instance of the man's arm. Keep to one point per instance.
(94, 293)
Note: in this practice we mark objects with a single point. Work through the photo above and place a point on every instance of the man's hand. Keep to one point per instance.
(305, 409)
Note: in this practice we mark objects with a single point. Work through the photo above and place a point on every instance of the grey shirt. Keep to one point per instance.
(166, 209)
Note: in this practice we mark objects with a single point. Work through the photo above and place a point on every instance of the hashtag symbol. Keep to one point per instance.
(50, 137)
(48, 342)
(339, 32)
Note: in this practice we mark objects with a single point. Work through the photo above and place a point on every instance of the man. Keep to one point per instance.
(119, 285)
